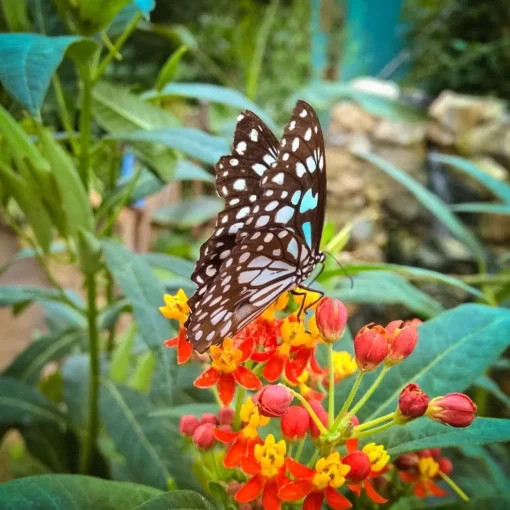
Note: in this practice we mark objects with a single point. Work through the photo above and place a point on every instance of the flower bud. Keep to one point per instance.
(203, 436)
(295, 423)
(412, 403)
(188, 425)
(232, 487)
(321, 414)
(360, 466)
(407, 461)
(226, 415)
(331, 318)
(370, 347)
(455, 409)
(435, 453)
(208, 418)
(273, 400)
(445, 465)
(402, 342)
(226, 428)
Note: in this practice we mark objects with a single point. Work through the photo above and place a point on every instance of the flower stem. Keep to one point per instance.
(300, 450)
(348, 401)
(85, 125)
(313, 457)
(93, 415)
(375, 430)
(331, 395)
(239, 402)
(311, 412)
(373, 423)
(290, 449)
(454, 486)
(369, 392)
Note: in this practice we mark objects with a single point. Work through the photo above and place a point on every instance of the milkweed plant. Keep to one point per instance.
(278, 439)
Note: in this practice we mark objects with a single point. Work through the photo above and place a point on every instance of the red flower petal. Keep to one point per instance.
(246, 378)
(408, 477)
(185, 349)
(355, 488)
(273, 368)
(295, 490)
(225, 436)
(270, 495)
(234, 453)
(373, 494)
(246, 347)
(209, 378)
(314, 364)
(296, 366)
(313, 501)
(250, 490)
(435, 490)
(250, 466)
(226, 388)
(351, 445)
(420, 490)
(298, 470)
(336, 500)
(172, 342)
(261, 357)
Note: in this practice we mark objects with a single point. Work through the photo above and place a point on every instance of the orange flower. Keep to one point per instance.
(427, 469)
(267, 470)
(244, 441)
(184, 348)
(226, 370)
(316, 484)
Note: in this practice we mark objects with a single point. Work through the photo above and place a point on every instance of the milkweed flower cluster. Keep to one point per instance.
(277, 436)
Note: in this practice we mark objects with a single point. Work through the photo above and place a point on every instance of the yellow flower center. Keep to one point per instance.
(176, 307)
(330, 471)
(271, 456)
(428, 467)
(250, 415)
(377, 455)
(294, 334)
(343, 364)
(278, 305)
(225, 358)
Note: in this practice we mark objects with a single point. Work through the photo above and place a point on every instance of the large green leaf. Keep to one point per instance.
(453, 350)
(177, 500)
(213, 93)
(27, 63)
(491, 386)
(476, 503)
(192, 142)
(188, 213)
(75, 374)
(63, 492)
(11, 295)
(177, 265)
(424, 433)
(188, 171)
(431, 202)
(389, 289)
(503, 209)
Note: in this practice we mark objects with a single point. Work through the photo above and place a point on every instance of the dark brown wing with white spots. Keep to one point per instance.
(257, 271)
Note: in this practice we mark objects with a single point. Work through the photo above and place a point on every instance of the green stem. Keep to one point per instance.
(348, 401)
(290, 449)
(369, 393)
(454, 486)
(239, 402)
(114, 50)
(313, 457)
(64, 114)
(300, 449)
(85, 125)
(375, 430)
(373, 423)
(93, 415)
(331, 395)
(323, 430)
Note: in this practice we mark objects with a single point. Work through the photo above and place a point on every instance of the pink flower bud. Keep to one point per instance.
(273, 400)
(445, 465)
(188, 425)
(435, 453)
(402, 342)
(295, 423)
(208, 418)
(226, 415)
(321, 414)
(226, 428)
(233, 486)
(360, 466)
(203, 436)
(412, 402)
(455, 409)
(407, 461)
(331, 318)
(370, 347)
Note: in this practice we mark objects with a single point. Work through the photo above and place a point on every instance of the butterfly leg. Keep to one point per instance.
(302, 308)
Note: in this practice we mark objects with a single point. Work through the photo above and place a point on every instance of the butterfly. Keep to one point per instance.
(266, 240)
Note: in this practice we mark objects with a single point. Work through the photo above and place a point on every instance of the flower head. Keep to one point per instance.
(273, 400)
(412, 403)
(402, 341)
(331, 318)
(295, 423)
(378, 456)
(176, 307)
(421, 477)
(370, 347)
(455, 409)
(343, 365)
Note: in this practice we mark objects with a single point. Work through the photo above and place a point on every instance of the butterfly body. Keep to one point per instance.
(266, 240)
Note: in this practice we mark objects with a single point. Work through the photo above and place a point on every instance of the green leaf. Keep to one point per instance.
(176, 265)
(488, 208)
(63, 492)
(142, 376)
(167, 73)
(177, 500)
(28, 365)
(96, 15)
(15, 15)
(27, 63)
(213, 93)
(500, 189)
(431, 202)
(177, 412)
(453, 350)
(121, 358)
(490, 385)
(492, 502)
(413, 273)
(145, 6)
(21, 403)
(192, 142)
(188, 171)
(388, 289)
(188, 213)
(11, 295)
(424, 433)
(28, 253)
(75, 374)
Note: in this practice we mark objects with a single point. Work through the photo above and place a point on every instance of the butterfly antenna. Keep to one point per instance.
(341, 267)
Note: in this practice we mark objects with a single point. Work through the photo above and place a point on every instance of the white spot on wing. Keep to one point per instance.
(272, 205)
(259, 168)
(241, 148)
(240, 185)
(300, 169)
(308, 134)
(284, 214)
(234, 162)
(303, 113)
(278, 178)
(262, 220)
(295, 144)
(243, 212)
(254, 135)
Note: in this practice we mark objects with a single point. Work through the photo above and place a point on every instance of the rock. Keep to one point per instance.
(350, 117)
(490, 138)
(440, 135)
(400, 133)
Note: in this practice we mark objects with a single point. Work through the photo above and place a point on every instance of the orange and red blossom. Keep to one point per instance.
(412, 403)
(331, 318)
(370, 347)
(226, 370)
(402, 341)
(426, 470)
(267, 470)
(316, 484)
(188, 424)
(295, 423)
(273, 400)
(454, 409)
(184, 348)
